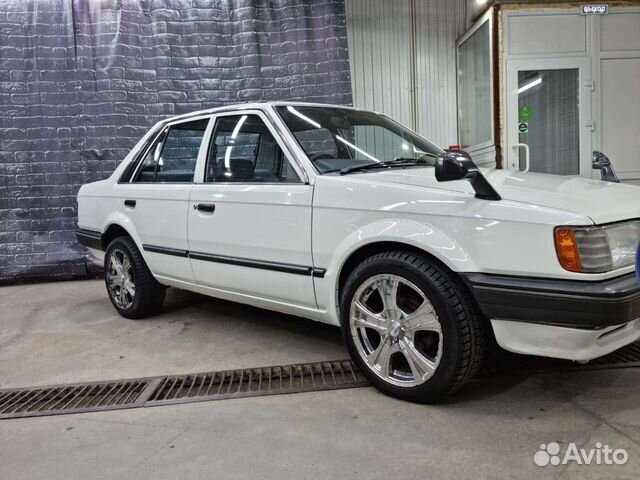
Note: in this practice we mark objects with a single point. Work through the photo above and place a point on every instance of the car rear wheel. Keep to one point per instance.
(411, 327)
(133, 290)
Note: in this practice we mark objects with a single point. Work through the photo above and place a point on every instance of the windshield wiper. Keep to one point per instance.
(396, 163)
(363, 166)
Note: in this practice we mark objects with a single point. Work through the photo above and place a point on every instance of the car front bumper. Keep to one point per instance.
(574, 320)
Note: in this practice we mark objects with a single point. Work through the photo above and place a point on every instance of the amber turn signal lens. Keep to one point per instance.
(567, 249)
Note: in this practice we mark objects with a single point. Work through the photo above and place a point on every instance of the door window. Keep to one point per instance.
(475, 116)
(173, 157)
(244, 150)
(548, 120)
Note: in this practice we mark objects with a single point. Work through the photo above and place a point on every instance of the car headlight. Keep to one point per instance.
(597, 249)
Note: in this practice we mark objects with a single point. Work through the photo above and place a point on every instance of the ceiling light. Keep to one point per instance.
(529, 85)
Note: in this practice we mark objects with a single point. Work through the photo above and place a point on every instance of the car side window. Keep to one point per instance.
(172, 158)
(244, 150)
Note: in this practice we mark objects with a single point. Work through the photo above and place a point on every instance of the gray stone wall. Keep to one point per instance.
(81, 81)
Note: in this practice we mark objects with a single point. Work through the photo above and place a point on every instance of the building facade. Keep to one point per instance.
(532, 86)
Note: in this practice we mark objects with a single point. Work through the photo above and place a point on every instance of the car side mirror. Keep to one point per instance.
(601, 162)
(457, 165)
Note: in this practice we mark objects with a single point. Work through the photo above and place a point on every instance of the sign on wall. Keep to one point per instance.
(601, 9)
(524, 113)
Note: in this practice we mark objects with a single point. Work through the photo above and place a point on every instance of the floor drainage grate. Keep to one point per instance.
(77, 398)
(250, 382)
(629, 356)
(164, 390)
(506, 363)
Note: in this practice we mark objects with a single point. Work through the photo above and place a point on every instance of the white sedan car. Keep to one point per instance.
(346, 217)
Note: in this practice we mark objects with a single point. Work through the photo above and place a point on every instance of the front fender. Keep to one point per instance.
(421, 235)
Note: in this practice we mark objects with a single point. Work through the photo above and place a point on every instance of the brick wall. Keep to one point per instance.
(82, 80)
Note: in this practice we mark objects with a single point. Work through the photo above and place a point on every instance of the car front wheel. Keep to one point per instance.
(133, 290)
(411, 327)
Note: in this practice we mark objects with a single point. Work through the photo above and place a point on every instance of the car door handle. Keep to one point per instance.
(205, 207)
(130, 203)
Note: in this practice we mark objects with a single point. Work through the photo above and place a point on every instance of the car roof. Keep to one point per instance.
(252, 105)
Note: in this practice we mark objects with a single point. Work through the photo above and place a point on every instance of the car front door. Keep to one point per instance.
(156, 200)
(250, 218)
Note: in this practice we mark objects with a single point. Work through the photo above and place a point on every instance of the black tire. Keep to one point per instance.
(149, 294)
(463, 334)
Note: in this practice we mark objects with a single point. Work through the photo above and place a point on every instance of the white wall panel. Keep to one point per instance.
(546, 34)
(620, 31)
(379, 36)
(439, 24)
(381, 55)
(620, 109)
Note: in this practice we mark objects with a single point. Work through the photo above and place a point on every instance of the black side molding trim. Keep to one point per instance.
(319, 272)
(167, 251)
(242, 262)
(246, 262)
(89, 238)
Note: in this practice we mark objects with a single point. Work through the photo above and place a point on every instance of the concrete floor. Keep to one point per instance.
(67, 332)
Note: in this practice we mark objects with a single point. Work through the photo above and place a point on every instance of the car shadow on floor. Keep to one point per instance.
(180, 299)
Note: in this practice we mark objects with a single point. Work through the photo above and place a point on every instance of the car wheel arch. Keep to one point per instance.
(120, 222)
(112, 232)
(374, 248)
(367, 250)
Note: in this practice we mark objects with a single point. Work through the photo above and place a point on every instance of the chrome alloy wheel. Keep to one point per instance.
(120, 279)
(396, 330)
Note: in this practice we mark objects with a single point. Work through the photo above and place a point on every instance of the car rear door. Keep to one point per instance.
(250, 217)
(156, 200)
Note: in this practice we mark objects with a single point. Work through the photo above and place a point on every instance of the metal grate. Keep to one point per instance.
(506, 363)
(629, 356)
(74, 398)
(251, 382)
(145, 392)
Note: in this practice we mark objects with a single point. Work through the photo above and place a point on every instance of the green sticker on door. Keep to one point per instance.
(524, 113)
(523, 127)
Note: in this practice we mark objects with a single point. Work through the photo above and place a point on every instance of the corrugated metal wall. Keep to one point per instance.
(379, 37)
(403, 61)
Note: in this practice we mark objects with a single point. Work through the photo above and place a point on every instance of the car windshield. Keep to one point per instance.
(342, 139)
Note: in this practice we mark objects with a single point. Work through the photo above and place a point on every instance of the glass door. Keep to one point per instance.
(549, 116)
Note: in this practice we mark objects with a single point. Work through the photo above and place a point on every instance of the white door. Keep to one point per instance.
(548, 122)
(250, 219)
(157, 199)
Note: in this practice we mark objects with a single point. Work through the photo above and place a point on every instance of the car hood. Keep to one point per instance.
(603, 202)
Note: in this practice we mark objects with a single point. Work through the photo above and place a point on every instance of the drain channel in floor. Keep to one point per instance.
(251, 382)
(164, 390)
(505, 363)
